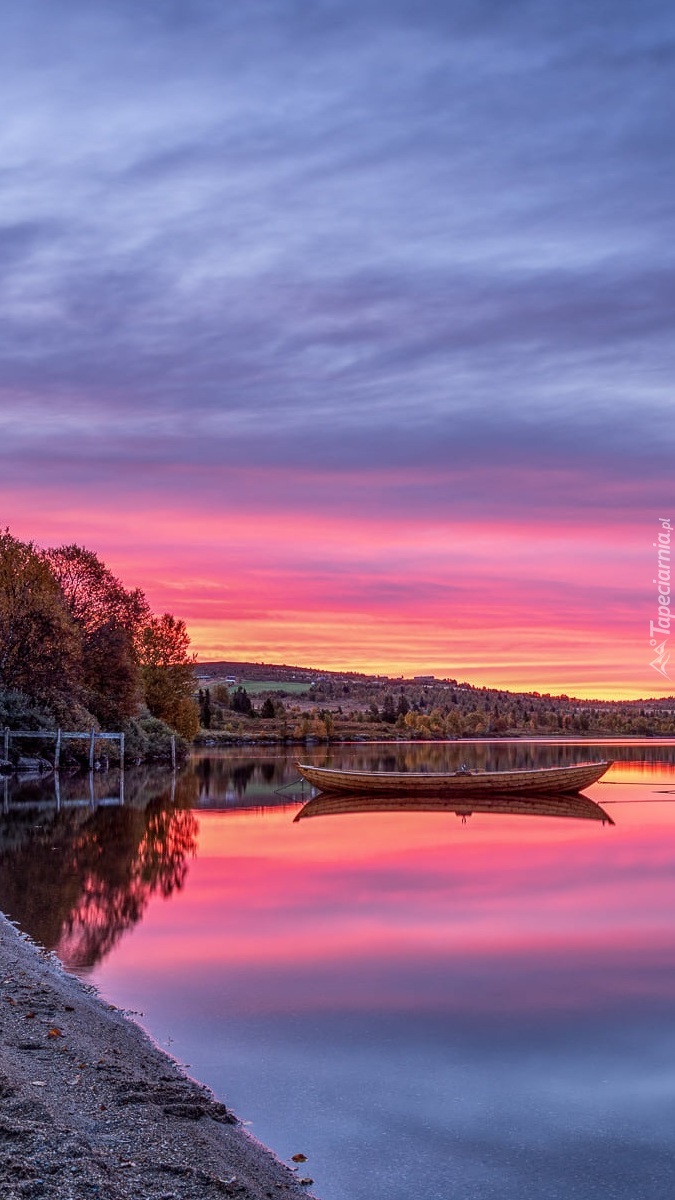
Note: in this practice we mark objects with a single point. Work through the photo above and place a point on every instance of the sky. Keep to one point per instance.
(345, 329)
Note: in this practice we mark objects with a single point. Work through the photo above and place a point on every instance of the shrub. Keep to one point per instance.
(148, 738)
(18, 711)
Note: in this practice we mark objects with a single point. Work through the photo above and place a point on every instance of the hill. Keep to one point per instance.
(299, 701)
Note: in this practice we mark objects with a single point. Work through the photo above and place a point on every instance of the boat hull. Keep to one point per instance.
(554, 780)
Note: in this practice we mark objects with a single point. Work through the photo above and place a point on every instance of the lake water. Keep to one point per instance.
(425, 1004)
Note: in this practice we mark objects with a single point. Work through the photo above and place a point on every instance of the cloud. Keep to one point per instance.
(378, 258)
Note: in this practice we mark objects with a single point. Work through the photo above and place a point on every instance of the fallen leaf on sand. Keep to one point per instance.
(55, 1032)
(299, 1158)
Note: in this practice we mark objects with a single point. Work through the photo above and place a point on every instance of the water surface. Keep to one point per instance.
(425, 1004)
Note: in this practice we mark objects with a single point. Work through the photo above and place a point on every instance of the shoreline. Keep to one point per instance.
(91, 1107)
(221, 741)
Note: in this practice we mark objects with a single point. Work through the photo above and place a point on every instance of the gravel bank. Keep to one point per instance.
(91, 1108)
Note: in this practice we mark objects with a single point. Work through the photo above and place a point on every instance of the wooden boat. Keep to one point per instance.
(575, 807)
(557, 780)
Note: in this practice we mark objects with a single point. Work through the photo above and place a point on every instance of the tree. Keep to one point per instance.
(94, 596)
(454, 725)
(167, 671)
(474, 722)
(111, 675)
(267, 709)
(110, 620)
(205, 708)
(40, 652)
(241, 702)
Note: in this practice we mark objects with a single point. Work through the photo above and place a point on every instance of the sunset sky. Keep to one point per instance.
(346, 330)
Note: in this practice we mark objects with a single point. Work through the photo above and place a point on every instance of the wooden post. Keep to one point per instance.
(121, 752)
(57, 751)
(6, 741)
(173, 752)
(91, 750)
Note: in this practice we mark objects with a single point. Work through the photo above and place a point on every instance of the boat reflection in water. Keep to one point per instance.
(577, 807)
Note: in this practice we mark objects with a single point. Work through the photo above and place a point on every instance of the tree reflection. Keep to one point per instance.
(226, 778)
(80, 879)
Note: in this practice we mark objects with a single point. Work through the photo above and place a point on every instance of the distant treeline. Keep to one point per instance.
(79, 650)
(339, 707)
(451, 709)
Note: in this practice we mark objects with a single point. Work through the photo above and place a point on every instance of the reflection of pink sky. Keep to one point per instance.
(390, 898)
(517, 603)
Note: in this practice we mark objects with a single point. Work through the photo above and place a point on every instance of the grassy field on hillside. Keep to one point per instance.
(294, 687)
(255, 686)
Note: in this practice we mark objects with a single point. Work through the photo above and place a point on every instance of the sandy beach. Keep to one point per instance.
(90, 1107)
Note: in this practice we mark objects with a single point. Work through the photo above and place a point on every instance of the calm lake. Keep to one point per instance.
(427, 1004)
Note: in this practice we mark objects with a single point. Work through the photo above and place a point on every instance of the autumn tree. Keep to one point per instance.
(112, 675)
(110, 620)
(79, 646)
(39, 645)
(167, 670)
(95, 597)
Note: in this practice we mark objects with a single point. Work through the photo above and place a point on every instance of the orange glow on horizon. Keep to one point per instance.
(518, 605)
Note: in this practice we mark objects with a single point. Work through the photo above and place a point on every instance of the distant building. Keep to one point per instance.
(424, 678)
